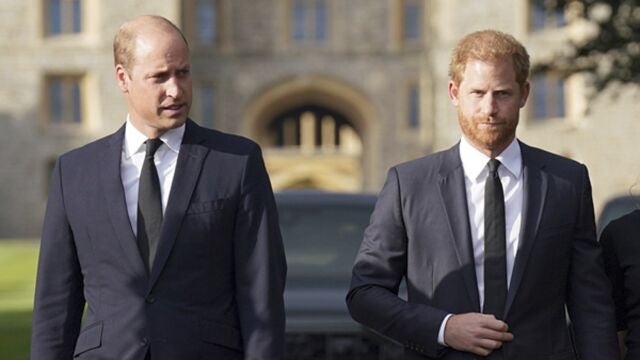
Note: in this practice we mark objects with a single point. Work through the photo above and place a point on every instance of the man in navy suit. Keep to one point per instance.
(494, 238)
(169, 253)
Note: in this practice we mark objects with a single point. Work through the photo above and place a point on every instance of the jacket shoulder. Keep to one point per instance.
(431, 164)
(232, 141)
(89, 151)
(227, 143)
(552, 163)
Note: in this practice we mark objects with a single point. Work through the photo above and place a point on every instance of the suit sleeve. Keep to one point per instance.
(59, 299)
(589, 300)
(379, 268)
(260, 265)
(608, 241)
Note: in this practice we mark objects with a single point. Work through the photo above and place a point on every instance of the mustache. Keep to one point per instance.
(487, 119)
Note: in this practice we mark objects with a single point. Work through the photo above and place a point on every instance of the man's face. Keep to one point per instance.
(489, 99)
(158, 84)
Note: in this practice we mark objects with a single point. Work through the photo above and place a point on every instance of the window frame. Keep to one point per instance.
(72, 111)
(206, 120)
(312, 34)
(420, 17)
(191, 24)
(550, 20)
(72, 10)
(550, 90)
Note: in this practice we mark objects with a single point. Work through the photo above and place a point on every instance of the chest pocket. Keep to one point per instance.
(206, 206)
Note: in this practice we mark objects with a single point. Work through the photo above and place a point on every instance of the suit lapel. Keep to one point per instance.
(190, 160)
(453, 193)
(115, 200)
(535, 192)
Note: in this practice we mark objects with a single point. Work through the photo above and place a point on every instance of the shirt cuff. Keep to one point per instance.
(441, 331)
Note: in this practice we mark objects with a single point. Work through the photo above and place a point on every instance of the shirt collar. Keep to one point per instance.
(134, 139)
(474, 162)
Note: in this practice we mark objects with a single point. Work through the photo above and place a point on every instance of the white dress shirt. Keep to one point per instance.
(165, 158)
(474, 164)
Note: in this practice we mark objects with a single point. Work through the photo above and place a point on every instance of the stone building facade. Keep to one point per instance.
(335, 91)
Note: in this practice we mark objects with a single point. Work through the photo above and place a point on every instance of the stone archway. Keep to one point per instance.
(315, 132)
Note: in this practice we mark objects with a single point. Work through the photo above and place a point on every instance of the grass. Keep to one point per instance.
(18, 260)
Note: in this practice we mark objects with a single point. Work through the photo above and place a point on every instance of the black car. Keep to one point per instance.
(322, 233)
(616, 208)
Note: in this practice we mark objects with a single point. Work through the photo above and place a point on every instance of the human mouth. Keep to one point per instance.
(174, 109)
(489, 122)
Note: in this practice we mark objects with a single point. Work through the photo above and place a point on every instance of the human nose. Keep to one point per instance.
(173, 88)
(489, 106)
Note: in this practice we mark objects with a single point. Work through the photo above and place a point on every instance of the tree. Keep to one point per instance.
(608, 44)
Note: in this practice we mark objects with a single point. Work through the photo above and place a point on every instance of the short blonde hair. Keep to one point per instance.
(489, 45)
(124, 42)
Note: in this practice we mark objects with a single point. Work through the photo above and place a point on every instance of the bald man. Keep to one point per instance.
(160, 241)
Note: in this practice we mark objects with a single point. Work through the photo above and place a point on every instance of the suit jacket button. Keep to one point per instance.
(150, 300)
(144, 342)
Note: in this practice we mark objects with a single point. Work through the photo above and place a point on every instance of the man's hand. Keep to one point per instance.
(476, 333)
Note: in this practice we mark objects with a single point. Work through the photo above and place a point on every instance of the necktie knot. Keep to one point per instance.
(493, 166)
(151, 146)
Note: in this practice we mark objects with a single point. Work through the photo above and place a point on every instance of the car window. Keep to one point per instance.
(322, 240)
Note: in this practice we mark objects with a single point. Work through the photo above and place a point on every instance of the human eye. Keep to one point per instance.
(158, 77)
(184, 72)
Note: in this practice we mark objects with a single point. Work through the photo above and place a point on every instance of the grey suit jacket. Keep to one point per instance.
(216, 287)
(420, 231)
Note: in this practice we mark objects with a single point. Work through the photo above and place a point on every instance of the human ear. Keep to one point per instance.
(122, 77)
(526, 87)
(453, 92)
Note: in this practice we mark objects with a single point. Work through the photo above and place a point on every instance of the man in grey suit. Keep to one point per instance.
(160, 241)
(493, 237)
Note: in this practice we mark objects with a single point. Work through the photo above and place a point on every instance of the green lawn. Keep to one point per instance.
(18, 260)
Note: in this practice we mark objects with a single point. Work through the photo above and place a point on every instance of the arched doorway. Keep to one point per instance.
(314, 134)
(314, 128)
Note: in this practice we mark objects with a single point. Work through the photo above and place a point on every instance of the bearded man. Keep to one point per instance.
(494, 238)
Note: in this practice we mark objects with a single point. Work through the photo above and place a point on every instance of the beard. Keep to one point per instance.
(492, 138)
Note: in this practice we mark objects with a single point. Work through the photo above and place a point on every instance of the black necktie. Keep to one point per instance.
(149, 205)
(495, 259)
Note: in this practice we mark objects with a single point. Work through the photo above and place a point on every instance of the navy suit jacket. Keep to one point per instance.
(215, 290)
(420, 231)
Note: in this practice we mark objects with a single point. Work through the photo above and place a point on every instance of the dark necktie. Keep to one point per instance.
(495, 259)
(149, 205)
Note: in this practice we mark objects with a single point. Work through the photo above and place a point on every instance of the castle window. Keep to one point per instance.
(545, 14)
(62, 17)
(201, 21)
(547, 96)
(205, 105)
(309, 20)
(63, 99)
(413, 106)
(412, 14)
